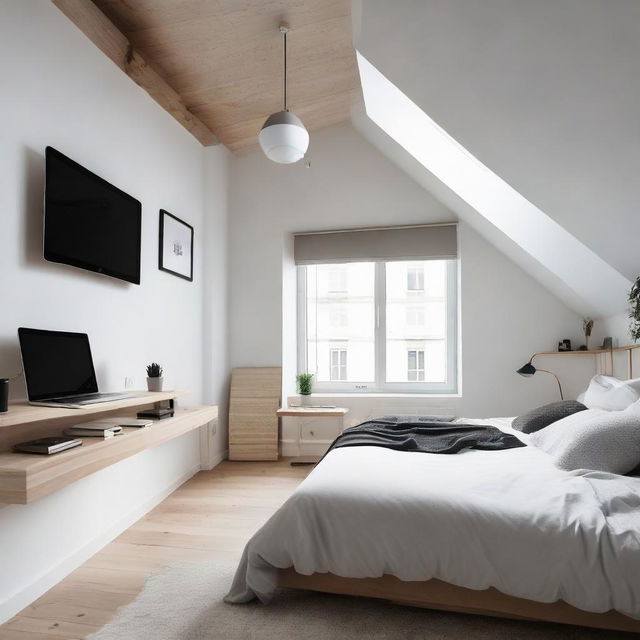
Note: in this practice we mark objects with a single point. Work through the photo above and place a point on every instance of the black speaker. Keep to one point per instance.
(4, 395)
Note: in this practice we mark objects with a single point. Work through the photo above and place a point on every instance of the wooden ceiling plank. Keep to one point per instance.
(200, 50)
(224, 58)
(116, 46)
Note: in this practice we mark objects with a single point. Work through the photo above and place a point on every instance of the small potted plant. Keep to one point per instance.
(634, 312)
(305, 386)
(154, 377)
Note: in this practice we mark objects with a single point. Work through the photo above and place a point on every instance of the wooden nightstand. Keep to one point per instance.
(311, 434)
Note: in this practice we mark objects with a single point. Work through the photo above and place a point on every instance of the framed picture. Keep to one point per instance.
(175, 254)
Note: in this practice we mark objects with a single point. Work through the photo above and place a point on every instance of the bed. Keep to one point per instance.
(493, 532)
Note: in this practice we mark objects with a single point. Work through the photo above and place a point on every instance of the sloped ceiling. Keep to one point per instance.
(545, 94)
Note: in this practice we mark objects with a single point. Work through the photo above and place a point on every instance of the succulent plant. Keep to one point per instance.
(154, 370)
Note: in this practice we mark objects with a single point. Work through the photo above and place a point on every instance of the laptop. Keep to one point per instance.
(58, 368)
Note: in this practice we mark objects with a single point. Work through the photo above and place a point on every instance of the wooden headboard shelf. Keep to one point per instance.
(605, 365)
(588, 352)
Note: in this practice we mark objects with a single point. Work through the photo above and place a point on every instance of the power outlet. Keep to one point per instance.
(129, 382)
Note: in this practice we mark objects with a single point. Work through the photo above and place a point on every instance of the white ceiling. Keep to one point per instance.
(544, 94)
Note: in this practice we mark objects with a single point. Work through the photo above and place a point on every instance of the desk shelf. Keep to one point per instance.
(27, 477)
(23, 413)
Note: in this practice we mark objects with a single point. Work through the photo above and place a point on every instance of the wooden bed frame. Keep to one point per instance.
(435, 594)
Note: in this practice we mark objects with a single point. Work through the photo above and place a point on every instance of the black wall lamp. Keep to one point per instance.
(528, 370)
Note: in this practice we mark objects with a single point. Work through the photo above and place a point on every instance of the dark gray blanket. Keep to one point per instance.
(425, 434)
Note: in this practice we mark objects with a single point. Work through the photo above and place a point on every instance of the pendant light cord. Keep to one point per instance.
(285, 71)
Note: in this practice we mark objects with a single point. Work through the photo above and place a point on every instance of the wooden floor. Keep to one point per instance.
(211, 516)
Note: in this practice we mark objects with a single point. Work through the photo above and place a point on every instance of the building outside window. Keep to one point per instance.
(415, 365)
(338, 317)
(415, 278)
(415, 316)
(396, 319)
(337, 279)
(338, 361)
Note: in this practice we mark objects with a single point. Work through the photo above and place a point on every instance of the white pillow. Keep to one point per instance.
(593, 439)
(605, 392)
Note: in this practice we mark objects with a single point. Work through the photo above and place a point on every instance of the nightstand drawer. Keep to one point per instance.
(320, 430)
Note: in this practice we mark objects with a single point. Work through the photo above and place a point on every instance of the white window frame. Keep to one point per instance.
(451, 384)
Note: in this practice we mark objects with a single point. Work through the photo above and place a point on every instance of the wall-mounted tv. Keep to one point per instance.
(89, 223)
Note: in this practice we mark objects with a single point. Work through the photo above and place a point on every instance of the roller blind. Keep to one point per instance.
(418, 242)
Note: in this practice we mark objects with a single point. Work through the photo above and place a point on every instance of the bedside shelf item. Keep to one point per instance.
(253, 424)
(25, 478)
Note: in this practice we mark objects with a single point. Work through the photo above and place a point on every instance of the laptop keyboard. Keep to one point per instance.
(91, 399)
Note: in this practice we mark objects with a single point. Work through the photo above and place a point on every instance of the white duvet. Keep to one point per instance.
(505, 519)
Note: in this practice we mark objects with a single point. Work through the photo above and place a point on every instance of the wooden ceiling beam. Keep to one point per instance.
(116, 46)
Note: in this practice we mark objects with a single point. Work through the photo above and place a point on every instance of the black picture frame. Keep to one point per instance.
(169, 223)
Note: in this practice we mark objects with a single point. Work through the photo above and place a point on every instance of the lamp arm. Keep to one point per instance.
(557, 380)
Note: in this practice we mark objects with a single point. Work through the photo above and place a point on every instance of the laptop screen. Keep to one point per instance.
(56, 363)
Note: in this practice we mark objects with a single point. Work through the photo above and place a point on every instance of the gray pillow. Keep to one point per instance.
(544, 416)
(594, 439)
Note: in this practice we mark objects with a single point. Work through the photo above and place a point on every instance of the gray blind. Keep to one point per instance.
(420, 242)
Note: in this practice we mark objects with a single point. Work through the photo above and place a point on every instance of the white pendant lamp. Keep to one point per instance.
(283, 137)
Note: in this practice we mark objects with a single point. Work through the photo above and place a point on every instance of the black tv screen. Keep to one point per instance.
(88, 222)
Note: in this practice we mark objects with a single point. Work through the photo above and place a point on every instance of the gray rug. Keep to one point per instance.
(184, 602)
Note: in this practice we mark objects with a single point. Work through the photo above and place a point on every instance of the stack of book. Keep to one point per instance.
(47, 446)
(95, 429)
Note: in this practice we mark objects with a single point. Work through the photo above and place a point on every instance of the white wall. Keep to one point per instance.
(215, 337)
(506, 315)
(62, 91)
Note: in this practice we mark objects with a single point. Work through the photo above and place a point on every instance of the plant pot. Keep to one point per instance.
(305, 399)
(154, 384)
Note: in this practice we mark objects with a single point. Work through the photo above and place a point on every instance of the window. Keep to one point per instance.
(399, 339)
(337, 281)
(415, 278)
(415, 316)
(338, 317)
(415, 365)
(338, 364)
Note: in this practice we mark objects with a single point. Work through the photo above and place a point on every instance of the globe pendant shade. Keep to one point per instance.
(283, 138)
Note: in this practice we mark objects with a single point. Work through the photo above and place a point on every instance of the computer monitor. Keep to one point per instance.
(57, 364)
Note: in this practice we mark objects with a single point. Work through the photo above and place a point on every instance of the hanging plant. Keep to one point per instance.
(634, 312)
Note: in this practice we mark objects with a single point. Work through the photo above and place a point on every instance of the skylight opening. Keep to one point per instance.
(493, 198)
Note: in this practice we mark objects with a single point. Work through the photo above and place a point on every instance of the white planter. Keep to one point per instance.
(154, 384)
(306, 400)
